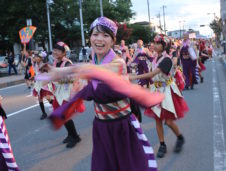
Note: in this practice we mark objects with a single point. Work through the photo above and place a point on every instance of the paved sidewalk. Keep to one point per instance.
(224, 59)
(7, 81)
(219, 52)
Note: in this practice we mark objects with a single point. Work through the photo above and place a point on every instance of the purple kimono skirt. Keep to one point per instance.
(189, 68)
(119, 144)
(142, 67)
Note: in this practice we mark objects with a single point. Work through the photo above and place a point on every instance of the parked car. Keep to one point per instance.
(3, 64)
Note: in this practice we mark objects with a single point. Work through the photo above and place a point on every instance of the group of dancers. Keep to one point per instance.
(118, 140)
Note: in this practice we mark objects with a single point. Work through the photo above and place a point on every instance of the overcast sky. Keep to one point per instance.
(193, 12)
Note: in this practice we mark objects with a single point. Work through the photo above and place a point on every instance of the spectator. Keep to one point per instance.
(84, 54)
(29, 71)
(11, 62)
(21, 57)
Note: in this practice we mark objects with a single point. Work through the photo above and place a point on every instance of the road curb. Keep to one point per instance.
(12, 83)
(224, 60)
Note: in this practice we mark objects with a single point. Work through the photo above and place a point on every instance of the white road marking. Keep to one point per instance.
(12, 86)
(22, 110)
(29, 95)
(218, 127)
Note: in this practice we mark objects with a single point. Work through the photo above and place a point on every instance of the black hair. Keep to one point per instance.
(166, 46)
(104, 29)
(56, 46)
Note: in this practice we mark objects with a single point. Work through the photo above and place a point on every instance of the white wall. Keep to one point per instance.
(17, 47)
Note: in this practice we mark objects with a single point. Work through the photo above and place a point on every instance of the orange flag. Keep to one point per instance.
(26, 34)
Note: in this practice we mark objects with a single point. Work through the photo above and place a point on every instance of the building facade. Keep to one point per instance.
(177, 34)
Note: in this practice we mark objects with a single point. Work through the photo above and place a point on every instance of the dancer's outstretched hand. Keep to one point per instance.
(52, 74)
(132, 77)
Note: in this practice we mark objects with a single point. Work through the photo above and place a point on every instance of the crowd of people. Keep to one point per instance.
(151, 76)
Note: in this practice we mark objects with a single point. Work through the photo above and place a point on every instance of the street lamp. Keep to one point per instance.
(101, 9)
(81, 22)
(48, 3)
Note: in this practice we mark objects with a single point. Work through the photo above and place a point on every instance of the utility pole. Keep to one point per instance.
(183, 27)
(180, 29)
(160, 24)
(163, 8)
(149, 19)
(81, 22)
(48, 3)
(101, 9)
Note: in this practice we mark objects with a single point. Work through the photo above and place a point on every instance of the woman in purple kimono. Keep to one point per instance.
(188, 64)
(118, 140)
(142, 59)
(7, 160)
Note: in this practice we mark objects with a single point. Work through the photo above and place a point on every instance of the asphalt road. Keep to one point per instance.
(37, 147)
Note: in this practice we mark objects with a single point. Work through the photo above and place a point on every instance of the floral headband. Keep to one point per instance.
(162, 37)
(104, 21)
(62, 45)
(42, 54)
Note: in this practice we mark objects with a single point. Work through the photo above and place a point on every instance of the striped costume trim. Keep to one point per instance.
(112, 110)
(152, 164)
(5, 147)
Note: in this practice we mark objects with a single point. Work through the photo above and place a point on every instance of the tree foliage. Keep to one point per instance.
(141, 32)
(64, 16)
(123, 32)
(216, 26)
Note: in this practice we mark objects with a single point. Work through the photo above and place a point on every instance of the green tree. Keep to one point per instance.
(216, 26)
(14, 15)
(64, 18)
(123, 32)
(141, 32)
(118, 10)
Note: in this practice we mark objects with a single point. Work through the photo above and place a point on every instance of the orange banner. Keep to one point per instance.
(26, 34)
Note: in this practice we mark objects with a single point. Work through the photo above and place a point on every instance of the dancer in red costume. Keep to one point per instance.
(173, 106)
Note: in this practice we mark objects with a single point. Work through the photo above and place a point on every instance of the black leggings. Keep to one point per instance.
(70, 127)
(135, 108)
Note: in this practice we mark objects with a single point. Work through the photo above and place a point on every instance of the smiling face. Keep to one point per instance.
(58, 54)
(139, 43)
(101, 42)
(122, 42)
(151, 48)
(158, 48)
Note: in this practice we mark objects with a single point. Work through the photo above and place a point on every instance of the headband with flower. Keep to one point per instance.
(64, 45)
(162, 38)
(104, 21)
(42, 54)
